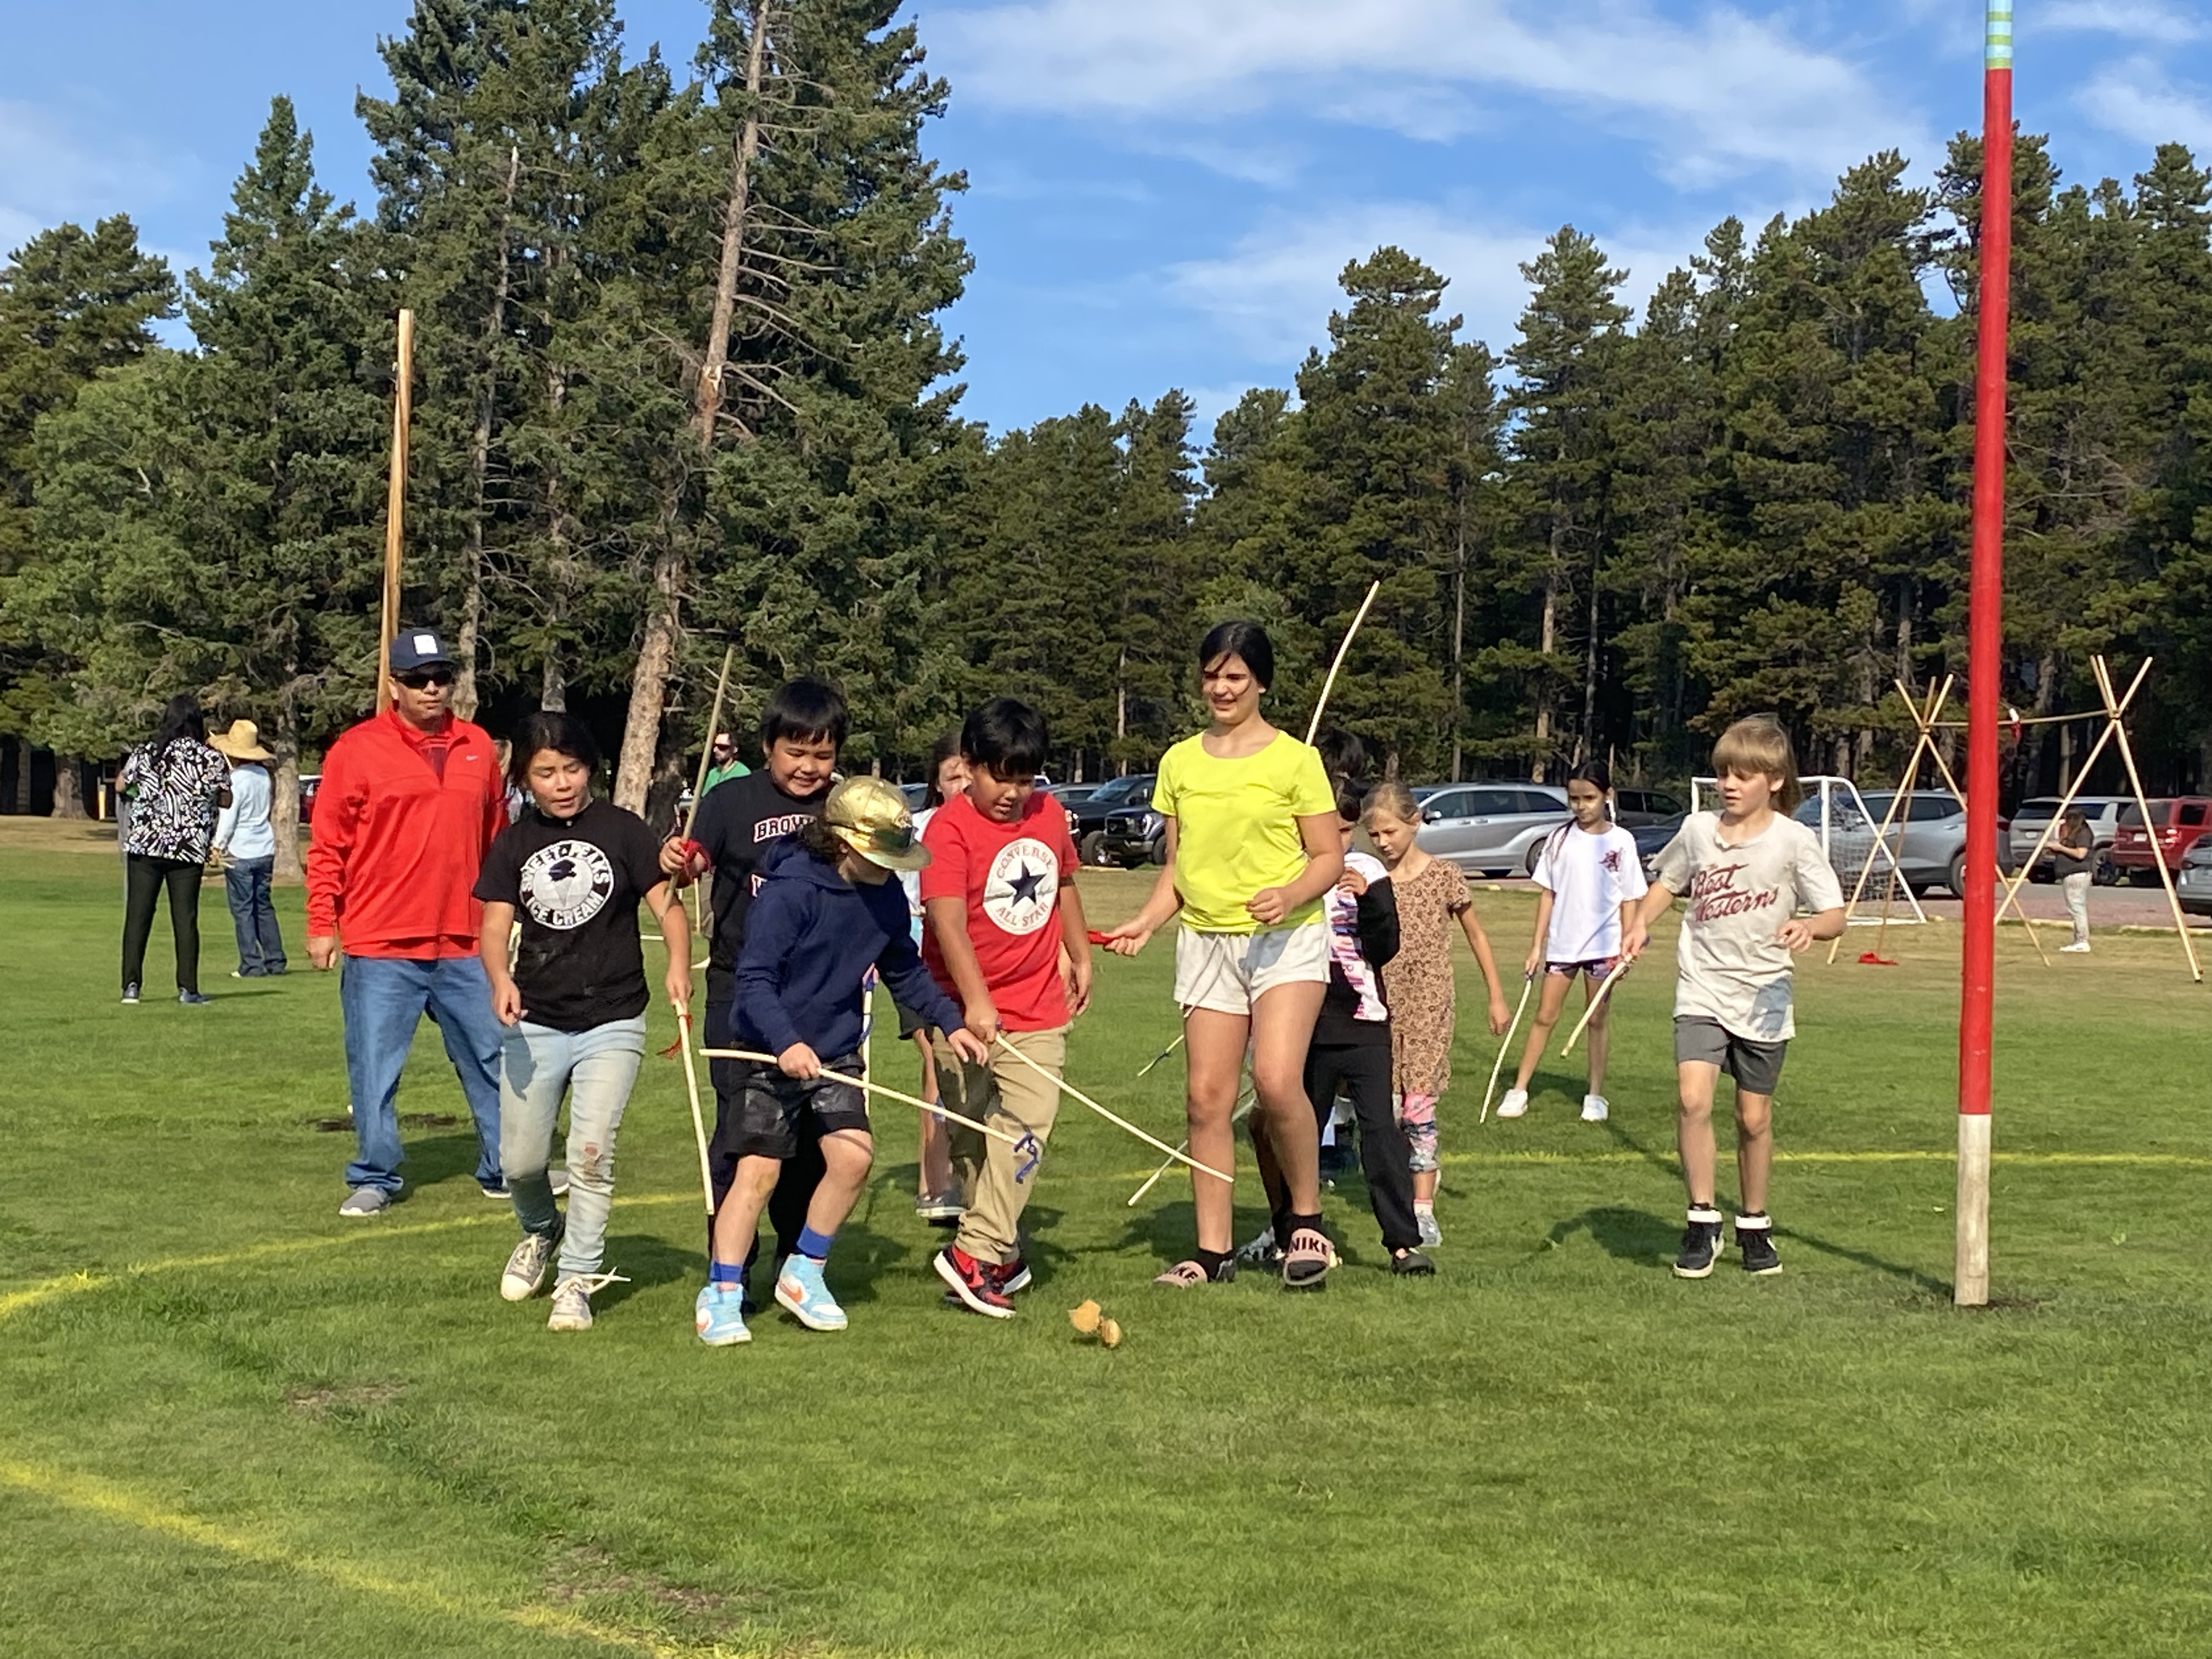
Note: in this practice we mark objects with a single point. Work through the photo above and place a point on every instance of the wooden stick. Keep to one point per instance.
(1161, 1056)
(875, 1089)
(1074, 1093)
(1526, 983)
(707, 752)
(1328, 685)
(2157, 854)
(1596, 1003)
(395, 507)
(698, 1122)
(1920, 714)
(1926, 746)
(1244, 1106)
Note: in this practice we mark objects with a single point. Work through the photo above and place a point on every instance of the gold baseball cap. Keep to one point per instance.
(870, 816)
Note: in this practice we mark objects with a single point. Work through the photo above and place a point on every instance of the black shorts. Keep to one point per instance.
(766, 1114)
(1756, 1066)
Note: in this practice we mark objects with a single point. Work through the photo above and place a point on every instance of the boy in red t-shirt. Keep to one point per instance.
(1004, 917)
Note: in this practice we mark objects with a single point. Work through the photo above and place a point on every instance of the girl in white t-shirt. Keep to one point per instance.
(1590, 875)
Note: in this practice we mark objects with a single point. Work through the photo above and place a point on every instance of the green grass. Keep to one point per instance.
(232, 1423)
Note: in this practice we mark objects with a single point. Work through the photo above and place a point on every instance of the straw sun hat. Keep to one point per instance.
(241, 743)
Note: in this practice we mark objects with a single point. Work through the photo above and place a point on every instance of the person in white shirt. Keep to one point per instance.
(244, 835)
(1590, 879)
(1748, 872)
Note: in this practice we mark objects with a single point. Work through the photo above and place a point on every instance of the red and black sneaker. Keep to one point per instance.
(973, 1284)
(1012, 1276)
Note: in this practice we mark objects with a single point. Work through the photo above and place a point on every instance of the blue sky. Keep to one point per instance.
(1164, 190)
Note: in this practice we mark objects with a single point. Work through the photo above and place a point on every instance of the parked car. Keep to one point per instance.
(2192, 883)
(1632, 809)
(1652, 840)
(2180, 823)
(1072, 795)
(309, 783)
(1132, 835)
(2101, 812)
(1090, 813)
(1928, 839)
(1490, 829)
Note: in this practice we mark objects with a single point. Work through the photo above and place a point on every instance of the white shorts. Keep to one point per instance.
(1229, 972)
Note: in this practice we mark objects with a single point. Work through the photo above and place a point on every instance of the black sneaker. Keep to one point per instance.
(1754, 1242)
(131, 994)
(1701, 1244)
(1412, 1264)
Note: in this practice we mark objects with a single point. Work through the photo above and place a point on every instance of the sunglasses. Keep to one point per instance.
(422, 679)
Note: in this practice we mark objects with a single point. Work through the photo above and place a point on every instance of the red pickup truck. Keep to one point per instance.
(2178, 825)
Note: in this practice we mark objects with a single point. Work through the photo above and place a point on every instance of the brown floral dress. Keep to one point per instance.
(1417, 982)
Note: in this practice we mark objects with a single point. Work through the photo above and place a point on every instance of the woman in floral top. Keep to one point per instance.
(176, 784)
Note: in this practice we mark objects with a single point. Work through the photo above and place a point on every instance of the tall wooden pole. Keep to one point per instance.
(395, 505)
(1984, 665)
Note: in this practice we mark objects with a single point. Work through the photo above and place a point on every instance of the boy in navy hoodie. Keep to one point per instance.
(826, 913)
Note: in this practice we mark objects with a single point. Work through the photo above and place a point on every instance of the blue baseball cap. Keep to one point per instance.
(418, 647)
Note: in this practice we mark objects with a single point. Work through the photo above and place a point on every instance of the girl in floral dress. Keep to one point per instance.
(1416, 983)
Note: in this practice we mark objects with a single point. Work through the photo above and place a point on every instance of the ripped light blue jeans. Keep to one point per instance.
(595, 1068)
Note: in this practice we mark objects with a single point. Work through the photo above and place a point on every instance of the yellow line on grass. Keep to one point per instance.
(89, 1494)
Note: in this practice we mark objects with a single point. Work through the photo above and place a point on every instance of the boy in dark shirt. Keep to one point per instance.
(827, 912)
(572, 870)
(737, 824)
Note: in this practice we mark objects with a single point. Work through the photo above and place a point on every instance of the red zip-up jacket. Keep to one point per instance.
(392, 867)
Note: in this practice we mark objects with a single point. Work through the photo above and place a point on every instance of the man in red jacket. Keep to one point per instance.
(409, 802)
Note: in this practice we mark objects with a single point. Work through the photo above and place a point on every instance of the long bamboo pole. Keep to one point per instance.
(1074, 1093)
(930, 1107)
(1328, 685)
(1880, 845)
(395, 505)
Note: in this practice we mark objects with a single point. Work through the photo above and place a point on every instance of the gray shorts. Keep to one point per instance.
(1756, 1066)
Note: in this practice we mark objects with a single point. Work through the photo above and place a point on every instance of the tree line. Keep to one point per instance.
(682, 383)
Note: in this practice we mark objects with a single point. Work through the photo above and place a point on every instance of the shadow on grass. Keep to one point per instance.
(1635, 1236)
(645, 1262)
(1926, 1283)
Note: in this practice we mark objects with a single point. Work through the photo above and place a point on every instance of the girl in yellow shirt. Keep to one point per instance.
(1253, 845)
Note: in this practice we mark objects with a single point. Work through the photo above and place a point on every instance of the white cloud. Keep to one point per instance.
(1273, 292)
(47, 174)
(2147, 21)
(2134, 99)
(1716, 96)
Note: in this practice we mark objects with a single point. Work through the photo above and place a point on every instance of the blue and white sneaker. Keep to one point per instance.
(720, 1314)
(801, 1293)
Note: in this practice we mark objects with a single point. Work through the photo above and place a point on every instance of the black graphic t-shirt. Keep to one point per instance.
(738, 823)
(575, 887)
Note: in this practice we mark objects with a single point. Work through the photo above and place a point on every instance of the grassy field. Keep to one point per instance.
(231, 1423)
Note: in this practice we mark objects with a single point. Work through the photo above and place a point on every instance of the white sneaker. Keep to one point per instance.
(1425, 1217)
(1515, 1104)
(572, 1300)
(1594, 1108)
(528, 1268)
(2073, 950)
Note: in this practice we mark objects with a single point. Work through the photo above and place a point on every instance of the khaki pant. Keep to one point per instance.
(996, 1179)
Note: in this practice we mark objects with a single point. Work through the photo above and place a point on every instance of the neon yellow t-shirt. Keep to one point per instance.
(1236, 827)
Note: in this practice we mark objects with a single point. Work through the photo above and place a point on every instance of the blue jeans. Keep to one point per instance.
(383, 999)
(260, 947)
(595, 1068)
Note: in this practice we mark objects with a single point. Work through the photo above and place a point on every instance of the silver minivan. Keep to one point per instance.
(1490, 829)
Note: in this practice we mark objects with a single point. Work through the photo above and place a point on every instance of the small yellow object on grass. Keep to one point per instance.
(1090, 1319)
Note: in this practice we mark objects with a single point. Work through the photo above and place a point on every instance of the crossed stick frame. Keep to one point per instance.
(2115, 732)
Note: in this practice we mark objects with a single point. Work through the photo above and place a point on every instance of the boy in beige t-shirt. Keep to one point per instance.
(1747, 870)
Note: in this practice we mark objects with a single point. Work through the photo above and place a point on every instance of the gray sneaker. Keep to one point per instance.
(1431, 1235)
(529, 1266)
(366, 1200)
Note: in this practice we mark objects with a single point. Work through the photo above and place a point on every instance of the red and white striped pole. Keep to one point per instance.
(1985, 667)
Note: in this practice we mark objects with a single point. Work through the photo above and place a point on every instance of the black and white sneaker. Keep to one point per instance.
(1754, 1242)
(1701, 1244)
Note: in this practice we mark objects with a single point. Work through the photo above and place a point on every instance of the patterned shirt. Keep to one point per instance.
(172, 800)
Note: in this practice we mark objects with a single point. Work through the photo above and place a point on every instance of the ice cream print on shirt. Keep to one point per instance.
(1024, 880)
(566, 884)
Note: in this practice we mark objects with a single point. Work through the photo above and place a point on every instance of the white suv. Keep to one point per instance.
(2102, 813)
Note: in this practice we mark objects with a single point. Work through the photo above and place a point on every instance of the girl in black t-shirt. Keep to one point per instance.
(570, 988)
